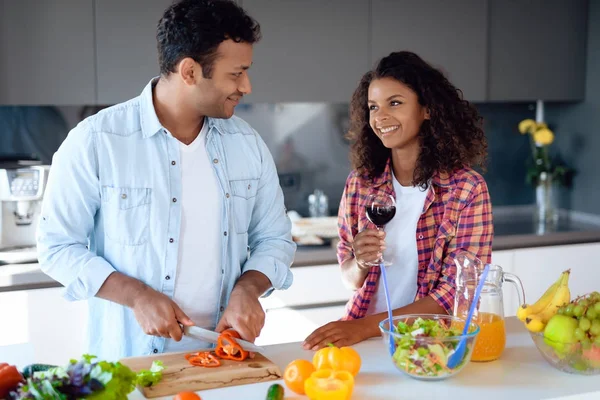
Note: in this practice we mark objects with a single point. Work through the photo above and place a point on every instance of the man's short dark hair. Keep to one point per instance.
(195, 28)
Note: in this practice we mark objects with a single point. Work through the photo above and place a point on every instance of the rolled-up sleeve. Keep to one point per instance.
(269, 234)
(71, 201)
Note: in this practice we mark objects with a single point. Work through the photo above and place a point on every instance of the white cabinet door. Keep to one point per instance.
(287, 325)
(539, 267)
(51, 329)
(314, 285)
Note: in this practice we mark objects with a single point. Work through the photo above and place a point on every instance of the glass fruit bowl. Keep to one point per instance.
(420, 344)
(574, 358)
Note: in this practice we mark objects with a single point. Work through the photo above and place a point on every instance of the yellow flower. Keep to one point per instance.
(527, 126)
(543, 137)
(541, 125)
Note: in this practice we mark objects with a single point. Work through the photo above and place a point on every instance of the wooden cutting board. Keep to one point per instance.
(179, 375)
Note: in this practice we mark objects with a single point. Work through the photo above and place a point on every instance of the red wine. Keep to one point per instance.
(380, 215)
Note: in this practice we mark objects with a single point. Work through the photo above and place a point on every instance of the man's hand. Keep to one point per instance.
(158, 315)
(244, 313)
(339, 333)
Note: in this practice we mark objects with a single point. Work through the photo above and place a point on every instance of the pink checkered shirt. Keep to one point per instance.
(457, 215)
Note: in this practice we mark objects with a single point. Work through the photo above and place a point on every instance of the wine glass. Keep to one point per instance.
(380, 210)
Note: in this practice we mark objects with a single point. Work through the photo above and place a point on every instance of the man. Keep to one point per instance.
(166, 209)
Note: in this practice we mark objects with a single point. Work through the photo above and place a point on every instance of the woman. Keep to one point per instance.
(414, 138)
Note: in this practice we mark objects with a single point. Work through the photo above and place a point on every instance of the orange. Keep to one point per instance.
(187, 396)
(296, 373)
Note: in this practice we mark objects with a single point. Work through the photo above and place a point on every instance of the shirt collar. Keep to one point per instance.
(149, 120)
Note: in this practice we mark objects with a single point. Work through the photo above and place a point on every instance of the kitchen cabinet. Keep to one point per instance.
(540, 267)
(47, 52)
(537, 49)
(450, 35)
(311, 50)
(43, 324)
(127, 57)
(316, 297)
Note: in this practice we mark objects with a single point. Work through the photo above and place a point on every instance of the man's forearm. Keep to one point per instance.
(255, 282)
(426, 305)
(122, 289)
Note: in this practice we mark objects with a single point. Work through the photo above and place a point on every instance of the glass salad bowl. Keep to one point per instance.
(420, 344)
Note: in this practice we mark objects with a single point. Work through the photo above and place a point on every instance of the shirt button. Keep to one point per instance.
(155, 351)
(222, 271)
(173, 163)
(249, 186)
(420, 236)
(225, 233)
(174, 200)
(123, 196)
(215, 161)
(171, 240)
(167, 277)
(222, 308)
(227, 195)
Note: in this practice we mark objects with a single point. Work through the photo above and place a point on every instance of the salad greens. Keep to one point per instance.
(87, 379)
(427, 357)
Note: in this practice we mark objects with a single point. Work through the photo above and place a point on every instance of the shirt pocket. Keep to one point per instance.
(244, 196)
(126, 213)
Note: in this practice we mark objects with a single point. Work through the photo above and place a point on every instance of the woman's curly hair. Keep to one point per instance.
(451, 139)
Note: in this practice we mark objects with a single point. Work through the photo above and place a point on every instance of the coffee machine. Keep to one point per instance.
(22, 185)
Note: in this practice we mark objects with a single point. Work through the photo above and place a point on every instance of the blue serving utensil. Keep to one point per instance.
(389, 306)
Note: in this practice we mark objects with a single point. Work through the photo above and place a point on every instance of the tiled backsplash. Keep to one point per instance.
(307, 143)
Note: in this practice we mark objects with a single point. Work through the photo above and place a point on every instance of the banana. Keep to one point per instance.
(534, 323)
(525, 310)
(562, 296)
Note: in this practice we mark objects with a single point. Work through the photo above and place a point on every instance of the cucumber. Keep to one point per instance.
(275, 392)
(30, 369)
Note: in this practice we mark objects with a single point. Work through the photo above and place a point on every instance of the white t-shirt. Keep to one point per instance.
(198, 279)
(401, 250)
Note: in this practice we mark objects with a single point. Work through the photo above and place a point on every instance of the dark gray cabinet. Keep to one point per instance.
(126, 47)
(312, 50)
(450, 35)
(47, 52)
(537, 49)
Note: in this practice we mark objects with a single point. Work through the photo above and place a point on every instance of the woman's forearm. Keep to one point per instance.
(353, 274)
(426, 305)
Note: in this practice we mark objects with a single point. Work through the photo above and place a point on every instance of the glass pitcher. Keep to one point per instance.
(489, 314)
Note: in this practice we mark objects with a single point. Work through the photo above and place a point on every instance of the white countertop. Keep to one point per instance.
(520, 373)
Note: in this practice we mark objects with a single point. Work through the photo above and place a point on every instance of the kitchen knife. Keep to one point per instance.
(209, 336)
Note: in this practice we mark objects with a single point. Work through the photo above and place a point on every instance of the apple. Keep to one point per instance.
(560, 333)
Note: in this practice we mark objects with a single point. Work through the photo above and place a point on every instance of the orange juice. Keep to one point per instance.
(491, 340)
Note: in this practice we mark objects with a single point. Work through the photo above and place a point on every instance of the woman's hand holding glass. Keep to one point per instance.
(368, 247)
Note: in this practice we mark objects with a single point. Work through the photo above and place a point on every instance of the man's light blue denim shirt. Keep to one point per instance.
(111, 204)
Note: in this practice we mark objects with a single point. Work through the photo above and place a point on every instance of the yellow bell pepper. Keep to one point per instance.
(327, 384)
(338, 359)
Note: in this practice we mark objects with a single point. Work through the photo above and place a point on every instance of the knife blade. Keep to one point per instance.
(212, 337)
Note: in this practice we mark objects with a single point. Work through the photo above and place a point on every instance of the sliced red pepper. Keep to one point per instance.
(203, 359)
(228, 348)
(10, 377)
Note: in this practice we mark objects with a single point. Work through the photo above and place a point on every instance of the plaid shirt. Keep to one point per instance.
(457, 215)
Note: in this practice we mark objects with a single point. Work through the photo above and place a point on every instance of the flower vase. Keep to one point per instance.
(545, 199)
